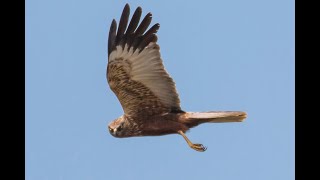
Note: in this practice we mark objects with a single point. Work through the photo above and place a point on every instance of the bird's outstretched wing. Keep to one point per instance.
(135, 71)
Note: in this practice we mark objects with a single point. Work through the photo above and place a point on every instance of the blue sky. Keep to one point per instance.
(223, 55)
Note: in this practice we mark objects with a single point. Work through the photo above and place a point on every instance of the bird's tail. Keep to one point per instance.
(196, 118)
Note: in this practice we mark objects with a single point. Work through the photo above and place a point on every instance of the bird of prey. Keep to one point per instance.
(147, 93)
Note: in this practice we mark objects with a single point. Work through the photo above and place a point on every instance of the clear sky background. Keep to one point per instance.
(222, 54)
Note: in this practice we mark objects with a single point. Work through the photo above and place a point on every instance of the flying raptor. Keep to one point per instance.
(147, 93)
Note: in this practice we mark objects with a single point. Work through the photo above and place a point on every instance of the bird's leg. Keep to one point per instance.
(197, 147)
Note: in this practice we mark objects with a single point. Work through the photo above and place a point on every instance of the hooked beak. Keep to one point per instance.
(113, 132)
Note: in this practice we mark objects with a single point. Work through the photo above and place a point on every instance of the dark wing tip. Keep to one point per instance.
(154, 29)
(135, 35)
(144, 25)
(123, 22)
(134, 21)
(112, 36)
(126, 8)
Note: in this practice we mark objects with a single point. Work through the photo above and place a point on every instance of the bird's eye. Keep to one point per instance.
(111, 130)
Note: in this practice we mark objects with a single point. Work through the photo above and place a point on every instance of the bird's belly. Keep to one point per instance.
(159, 127)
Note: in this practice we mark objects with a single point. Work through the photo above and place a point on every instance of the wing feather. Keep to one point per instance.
(135, 70)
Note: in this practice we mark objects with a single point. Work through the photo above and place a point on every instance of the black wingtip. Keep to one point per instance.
(149, 15)
(134, 35)
(134, 21)
(112, 36)
(113, 22)
(126, 6)
(144, 25)
(123, 22)
(153, 30)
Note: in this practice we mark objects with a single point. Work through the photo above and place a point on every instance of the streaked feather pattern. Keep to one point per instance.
(135, 70)
(145, 90)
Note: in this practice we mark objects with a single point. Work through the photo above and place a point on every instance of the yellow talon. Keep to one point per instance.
(197, 147)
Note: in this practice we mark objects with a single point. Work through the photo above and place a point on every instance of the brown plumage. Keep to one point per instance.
(145, 90)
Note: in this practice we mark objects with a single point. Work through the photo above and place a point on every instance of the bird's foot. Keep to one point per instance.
(198, 147)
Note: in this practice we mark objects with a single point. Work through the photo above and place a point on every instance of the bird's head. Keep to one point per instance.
(118, 128)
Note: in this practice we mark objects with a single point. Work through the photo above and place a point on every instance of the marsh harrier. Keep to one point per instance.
(147, 93)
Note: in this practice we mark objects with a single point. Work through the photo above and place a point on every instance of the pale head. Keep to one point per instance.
(118, 128)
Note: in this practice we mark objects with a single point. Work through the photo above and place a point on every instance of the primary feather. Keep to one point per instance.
(147, 93)
(135, 70)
